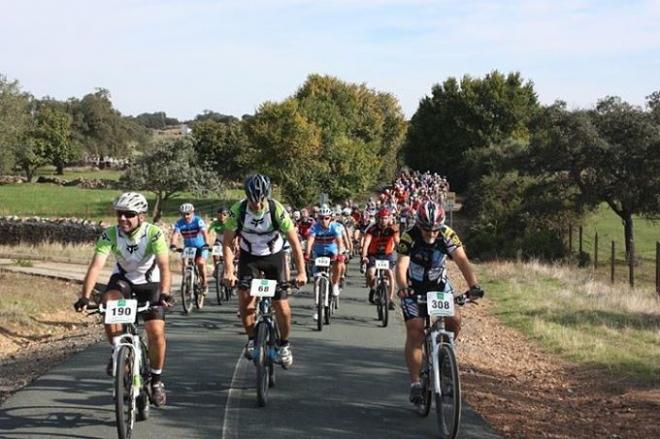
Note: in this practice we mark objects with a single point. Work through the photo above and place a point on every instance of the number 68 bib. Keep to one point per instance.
(440, 304)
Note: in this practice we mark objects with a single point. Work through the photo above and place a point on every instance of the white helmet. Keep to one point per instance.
(186, 208)
(346, 211)
(131, 201)
(296, 215)
(325, 210)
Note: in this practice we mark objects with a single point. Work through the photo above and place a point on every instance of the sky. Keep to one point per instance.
(187, 56)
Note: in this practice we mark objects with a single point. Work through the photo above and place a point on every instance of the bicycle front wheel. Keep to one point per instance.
(380, 295)
(448, 402)
(386, 304)
(425, 379)
(262, 363)
(199, 295)
(219, 288)
(124, 395)
(318, 294)
(187, 292)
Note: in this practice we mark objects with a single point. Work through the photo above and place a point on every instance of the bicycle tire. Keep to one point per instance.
(124, 398)
(261, 361)
(319, 303)
(448, 405)
(228, 293)
(199, 294)
(379, 300)
(219, 288)
(143, 403)
(186, 292)
(386, 310)
(424, 408)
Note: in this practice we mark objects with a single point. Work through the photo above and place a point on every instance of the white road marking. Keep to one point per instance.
(230, 422)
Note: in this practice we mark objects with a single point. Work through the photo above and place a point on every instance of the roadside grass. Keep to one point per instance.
(49, 200)
(29, 304)
(22, 254)
(83, 172)
(585, 321)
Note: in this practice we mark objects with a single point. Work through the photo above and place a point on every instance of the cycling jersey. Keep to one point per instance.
(325, 240)
(382, 240)
(219, 229)
(258, 234)
(135, 253)
(191, 231)
(304, 226)
(427, 269)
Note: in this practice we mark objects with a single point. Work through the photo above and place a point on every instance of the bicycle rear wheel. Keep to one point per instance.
(187, 292)
(124, 397)
(262, 362)
(448, 403)
(425, 379)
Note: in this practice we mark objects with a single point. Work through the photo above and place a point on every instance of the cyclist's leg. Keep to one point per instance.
(273, 268)
(154, 324)
(414, 319)
(200, 260)
(390, 275)
(247, 270)
(117, 288)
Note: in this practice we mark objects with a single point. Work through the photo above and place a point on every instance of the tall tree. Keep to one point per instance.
(223, 147)
(14, 121)
(465, 115)
(167, 169)
(52, 134)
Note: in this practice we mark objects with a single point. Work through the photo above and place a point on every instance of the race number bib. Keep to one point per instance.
(440, 304)
(382, 264)
(120, 311)
(189, 252)
(322, 261)
(217, 250)
(263, 288)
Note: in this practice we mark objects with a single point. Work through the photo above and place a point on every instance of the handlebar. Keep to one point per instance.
(100, 308)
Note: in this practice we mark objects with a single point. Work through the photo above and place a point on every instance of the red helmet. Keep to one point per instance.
(384, 212)
(430, 216)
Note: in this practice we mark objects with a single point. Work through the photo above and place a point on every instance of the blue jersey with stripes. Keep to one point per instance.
(325, 240)
(191, 232)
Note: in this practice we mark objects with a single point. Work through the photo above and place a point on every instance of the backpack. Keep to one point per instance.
(242, 212)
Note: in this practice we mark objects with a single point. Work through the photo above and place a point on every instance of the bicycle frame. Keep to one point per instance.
(435, 332)
(323, 272)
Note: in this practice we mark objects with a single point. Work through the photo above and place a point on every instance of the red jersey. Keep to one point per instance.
(382, 240)
(304, 226)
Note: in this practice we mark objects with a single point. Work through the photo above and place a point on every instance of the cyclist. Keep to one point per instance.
(217, 226)
(326, 239)
(420, 268)
(380, 241)
(258, 220)
(193, 230)
(140, 250)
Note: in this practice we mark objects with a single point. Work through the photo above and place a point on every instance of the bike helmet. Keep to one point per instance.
(384, 213)
(296, 215)
(131, 201)
(346, 211)
(430, 216)
(257, 187)
(186, 208)
(222, 210)
(325, 210)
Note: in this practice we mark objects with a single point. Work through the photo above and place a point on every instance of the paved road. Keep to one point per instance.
(349, 381)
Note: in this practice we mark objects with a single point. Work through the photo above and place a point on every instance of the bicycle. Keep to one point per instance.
(192, 290)
(382, 295)
(439, 375)
(222, 292)
(325, 301)
(266, 353)
(130, 363)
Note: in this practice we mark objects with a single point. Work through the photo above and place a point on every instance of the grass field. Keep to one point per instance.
(585, 321)
(47, 200)
(73, 173)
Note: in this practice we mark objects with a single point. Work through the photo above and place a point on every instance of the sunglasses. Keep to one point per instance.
(186, 214)
(325, 217)
(430, 230)
(128, 214)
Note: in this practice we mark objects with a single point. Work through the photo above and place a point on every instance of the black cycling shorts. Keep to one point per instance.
(412, 309)
(144, 292)
(273, 267)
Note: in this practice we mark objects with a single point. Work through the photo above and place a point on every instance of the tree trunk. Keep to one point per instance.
(59, 168)
(157, 211)
(628, 233)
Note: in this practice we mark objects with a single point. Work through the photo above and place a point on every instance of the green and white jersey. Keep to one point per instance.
(258, 234)
(135, 254)
(219, 229)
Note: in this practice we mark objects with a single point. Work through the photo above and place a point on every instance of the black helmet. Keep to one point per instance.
(222, 209)
(257, 187)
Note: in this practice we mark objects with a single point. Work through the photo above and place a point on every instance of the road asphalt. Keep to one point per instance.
(347, 381)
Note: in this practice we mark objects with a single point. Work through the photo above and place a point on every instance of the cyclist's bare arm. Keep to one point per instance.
(173, 239)
(365, 244)
(93, 271)
(228, 252)
(460, 258)
(207, 237)
(162, 260)
(310, 245)
(401, 269)
(296, 248)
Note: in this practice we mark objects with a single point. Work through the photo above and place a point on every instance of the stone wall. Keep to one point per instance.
(35, 230)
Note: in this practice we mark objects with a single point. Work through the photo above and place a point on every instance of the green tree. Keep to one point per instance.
(223, 147)
(167, 169)
(461, 116)
(14, 121)
(52, 135)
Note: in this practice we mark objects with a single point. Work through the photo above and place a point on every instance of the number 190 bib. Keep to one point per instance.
(120, 311)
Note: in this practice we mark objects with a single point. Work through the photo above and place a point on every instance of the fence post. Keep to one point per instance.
(657, 268)
(570, 239)
(631, 265)
(596, 251)
(612, 264)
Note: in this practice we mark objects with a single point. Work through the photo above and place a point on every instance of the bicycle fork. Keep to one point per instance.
(436, 341)
(133, 343)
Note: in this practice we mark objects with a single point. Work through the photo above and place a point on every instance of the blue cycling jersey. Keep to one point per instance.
(325, 240)
(191, 232)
